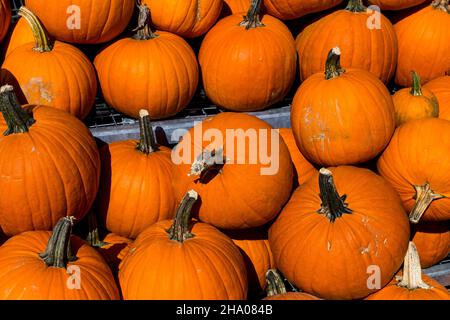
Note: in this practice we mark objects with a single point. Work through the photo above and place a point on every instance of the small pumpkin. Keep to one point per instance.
(396, 4)
(49, 166)
(415, 103)
(183, 260)
(83, 21)
(432, 240)
(136, 183)
(21, 34)
(43, 265)
(424, 43)
(276, 290)
(352, 217)
(249, 64)
(5, 18)
(161, 69)
(440, 87)
(292, 9)
(414, 165)
(343, 116)
(411, 284)
(237, 6)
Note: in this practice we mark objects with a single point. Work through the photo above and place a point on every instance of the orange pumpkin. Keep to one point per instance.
(161, 69)
(440, 87)
(183, 260)
(237, 6)
(342, 116)
(292, 9)
(249, 64)
(49, 166)
(414, 164)
(424, 43)
(42, 265)
(276, 290)
(433, 242)
(411, 284)
(5, 18)
(21, 34)
(415, 103)
(372, 49)
(83, 21)
(239, 187)
(352, 217)
(136, 183)
(396, 4)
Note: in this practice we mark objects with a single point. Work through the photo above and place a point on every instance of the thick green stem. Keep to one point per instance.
(147, 143)
(93, 237)
(41, 38)
(442, 5)
(333, 206)
(424, 197)
(416, 89)
(58, 252)
(333, 66)
(275, 284)
(411, 277)
(143, 30)
(252, 19)
(180, 229)
(17, 118)
(356, 6)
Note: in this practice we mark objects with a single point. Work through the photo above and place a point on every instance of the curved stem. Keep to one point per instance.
(147, 143)
(355, 6)
(41, 38)
(442, 5)
(424, 197)
(333, 66)
(143, 30)
(275, 284)
(17, 118)
(58, 252)
(252, 19)
(180, 229)
(93, 237)
(416, 89)
(411, 277)
(209, 160)
(333, 206)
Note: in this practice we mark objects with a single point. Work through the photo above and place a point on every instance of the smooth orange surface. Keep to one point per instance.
(410, 107)
(441, 89)
(432, 240)
(292, 9)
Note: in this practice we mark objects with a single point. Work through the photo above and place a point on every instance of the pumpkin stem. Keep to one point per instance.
(275, 284)
(143, 30)
(442, 5)
(180, 229)
(333, 66)
(147, 143)
(209, 160)
(416, 89)
(252, 19)
(333, 206)
(411, 277)
(424, 197)
(17, 118)
(355, 6)
(93, 237)
(58, 252)
(41, 38)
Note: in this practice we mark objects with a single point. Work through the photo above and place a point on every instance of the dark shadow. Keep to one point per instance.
(6, 77)
(161, 137)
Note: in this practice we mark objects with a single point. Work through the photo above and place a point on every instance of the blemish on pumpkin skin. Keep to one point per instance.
(365, 250)
(38, 91)
(329, 245)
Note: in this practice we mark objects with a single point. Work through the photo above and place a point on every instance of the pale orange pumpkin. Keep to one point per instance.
(20, 34)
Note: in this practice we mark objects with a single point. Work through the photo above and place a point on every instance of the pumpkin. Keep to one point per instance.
(5, 18)
(424, 43)
(43, 265)
(342, 116)
(183, 260)
(411, 284)
(190, 19)
(249, 64)
(161, 72)
(305, 170)
(53, 74)
(440, 87)
(276, 290)
(396, 4)
(433, 242)
(414, 103)
(292, 9)
(237, 6)
(352, 217)
(136, 183)
(49, 166)
(414, 165)
(83, 21)
(373, 49)
(241, 185)
(21, 34)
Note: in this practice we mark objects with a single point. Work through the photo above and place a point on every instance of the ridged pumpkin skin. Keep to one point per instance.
(292, 296)
(100, 21)
(441, 89)
(396, 4)
(21, 34)
(237, 6)
(190, 19)
(5, 18)
(247, 70)
(160, 75)
(114, 250)
(292, 9)
(405, 166)
(24, 275)
(374, 50)
(432, 241)
(331, 259)
(423, 45)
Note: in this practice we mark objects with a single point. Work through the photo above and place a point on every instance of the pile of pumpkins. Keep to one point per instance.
(357, 207)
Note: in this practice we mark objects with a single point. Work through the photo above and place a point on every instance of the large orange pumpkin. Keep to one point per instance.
(292, 9)
(433, 242)
(342, 116)
(161, 72)
(373, 49)
(396, 4)
(49, 166)
(5, 18)
(330, 234)
(21, 34)
(52, 74)
(441, 89)
(276, 290)
(415, 164)
(424, 43)
(183, 260)
(83, 21)
(188, 18)
(136, 183)
(248, 64)
(42, 265)
(237, 6)
(225, 159)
